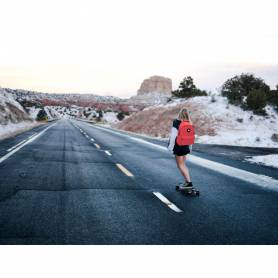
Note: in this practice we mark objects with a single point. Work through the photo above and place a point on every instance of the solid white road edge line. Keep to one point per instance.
(3, 158)
(257, 179)
(124, 170)
(10, 149)
(32, 135)
(108, 153)
(149, 143)
(164, 200)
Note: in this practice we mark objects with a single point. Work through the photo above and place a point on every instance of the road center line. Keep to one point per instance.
(3, 158)
(164, 200)
(124, 170)
(108, 153)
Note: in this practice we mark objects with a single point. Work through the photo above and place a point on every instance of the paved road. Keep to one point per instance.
(80, 184)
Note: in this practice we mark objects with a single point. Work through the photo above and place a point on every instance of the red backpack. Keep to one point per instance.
(185, 134)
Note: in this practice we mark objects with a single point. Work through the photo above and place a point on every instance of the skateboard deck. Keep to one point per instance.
(190, 191)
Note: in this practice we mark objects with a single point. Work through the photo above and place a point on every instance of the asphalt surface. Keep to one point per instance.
(64, 188)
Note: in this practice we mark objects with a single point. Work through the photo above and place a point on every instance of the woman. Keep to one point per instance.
(180, 152)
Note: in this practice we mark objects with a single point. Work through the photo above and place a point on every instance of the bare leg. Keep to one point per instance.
(180, 160)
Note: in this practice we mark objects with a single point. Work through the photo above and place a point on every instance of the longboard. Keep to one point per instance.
(189, 191)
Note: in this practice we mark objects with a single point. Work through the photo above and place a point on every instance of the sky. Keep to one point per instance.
(108, 47)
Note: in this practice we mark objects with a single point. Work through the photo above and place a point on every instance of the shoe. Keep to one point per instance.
(186, 185)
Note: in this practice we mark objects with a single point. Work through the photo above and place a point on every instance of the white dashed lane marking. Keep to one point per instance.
(108, 153)
(164, 200)
(97, 146)
(124, 170)
(93, 140)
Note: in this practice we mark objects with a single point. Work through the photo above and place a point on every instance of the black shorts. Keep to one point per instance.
(181, 150)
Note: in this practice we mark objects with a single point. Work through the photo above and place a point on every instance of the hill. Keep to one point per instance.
(215, 121)
(13, 117)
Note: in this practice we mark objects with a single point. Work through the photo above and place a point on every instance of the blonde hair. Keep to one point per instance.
(183, 115)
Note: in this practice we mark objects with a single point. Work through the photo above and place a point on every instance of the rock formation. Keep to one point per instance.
(154, 90)
(156, 84)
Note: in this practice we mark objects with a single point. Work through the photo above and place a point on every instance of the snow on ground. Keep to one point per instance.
(51, 113)
(268, 160)
(110, 117)
(8, 98)
(236, 126)
(11, 111)
(13, 129)
(33, 112)
(215, 121)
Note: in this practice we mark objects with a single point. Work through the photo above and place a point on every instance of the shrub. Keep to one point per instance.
(234, 96)
(42, 116)
(256, 101)
(86, 114)
(212, 99)
(120, 116)
(272, 98)
(274, 137)
(188, 89)
(238, 87)
(100, 115)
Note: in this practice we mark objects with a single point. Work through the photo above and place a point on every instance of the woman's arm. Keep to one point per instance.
(172, 138)
(189, 118)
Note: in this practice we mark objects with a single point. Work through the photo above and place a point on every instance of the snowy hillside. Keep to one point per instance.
(216, 122)
(238, 127)
(23, 95)
(13, 117)
(20, 109)
(10, 110)
(85, 106)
